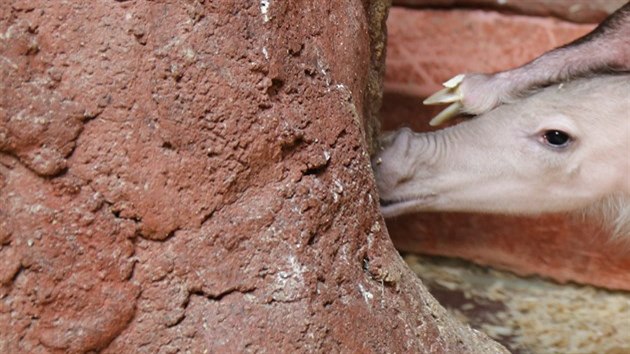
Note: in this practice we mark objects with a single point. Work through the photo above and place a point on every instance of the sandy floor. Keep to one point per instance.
(529, 315)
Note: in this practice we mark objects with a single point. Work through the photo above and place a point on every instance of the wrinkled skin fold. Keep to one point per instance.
(514, 158)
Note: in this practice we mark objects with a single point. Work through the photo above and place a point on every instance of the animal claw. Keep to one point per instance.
(445, 95)
(451, 93)
(454, 81)
(451, 111)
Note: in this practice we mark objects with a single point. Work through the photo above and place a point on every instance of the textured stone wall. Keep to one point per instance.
(428, 46)
(583, 11)
(193, 176)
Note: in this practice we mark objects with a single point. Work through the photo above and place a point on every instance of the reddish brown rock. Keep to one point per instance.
(194, 177)
(428, 47)
(561, 247)
(66, 265)
(584, 11)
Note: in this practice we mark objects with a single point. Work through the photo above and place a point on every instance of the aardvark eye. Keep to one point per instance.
(556, 138)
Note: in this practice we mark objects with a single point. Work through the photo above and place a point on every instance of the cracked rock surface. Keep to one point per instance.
(193, 176)
(581, 11)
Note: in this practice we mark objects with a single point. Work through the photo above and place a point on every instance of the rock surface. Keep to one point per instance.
(584, 11)
(566, 249)
(194, 177)
(427, 47)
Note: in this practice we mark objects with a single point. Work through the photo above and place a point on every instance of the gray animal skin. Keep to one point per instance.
(564, 148)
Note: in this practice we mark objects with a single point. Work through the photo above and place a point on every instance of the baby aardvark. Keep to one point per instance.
(564, 148)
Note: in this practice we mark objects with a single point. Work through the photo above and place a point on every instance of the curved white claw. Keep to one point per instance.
(454, 81)
(451, 93)
(448, 113)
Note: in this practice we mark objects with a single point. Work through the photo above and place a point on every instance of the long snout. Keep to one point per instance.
(402, 170)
